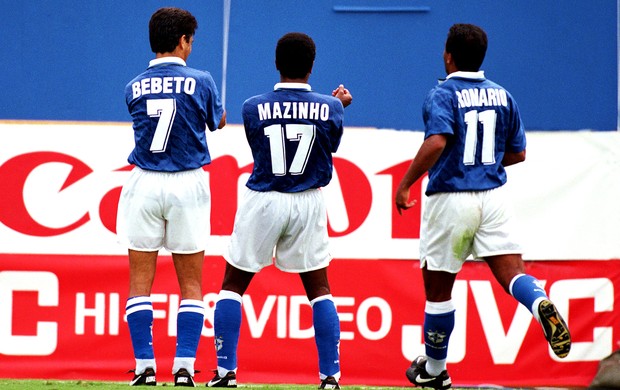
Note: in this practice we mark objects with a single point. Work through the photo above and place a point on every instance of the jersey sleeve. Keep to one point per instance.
(515, 142)
(438, 112)
(214, 110)
(338, 126)
(249, 116)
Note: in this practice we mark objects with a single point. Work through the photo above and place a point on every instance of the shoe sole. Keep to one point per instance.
(555, 329)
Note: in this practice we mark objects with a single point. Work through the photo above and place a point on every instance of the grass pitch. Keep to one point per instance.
(31, 384)
(23, 384)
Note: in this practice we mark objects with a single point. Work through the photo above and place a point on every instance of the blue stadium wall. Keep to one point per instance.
(70, 59)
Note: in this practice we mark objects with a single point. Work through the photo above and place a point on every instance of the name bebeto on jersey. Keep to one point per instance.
(170, 84)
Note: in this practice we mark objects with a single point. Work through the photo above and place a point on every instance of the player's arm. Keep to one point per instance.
(427, 156)
(511, 158)
(343, 95)
(222, 121)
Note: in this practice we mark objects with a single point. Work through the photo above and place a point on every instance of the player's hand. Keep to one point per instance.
(402, 200)
(343, 94)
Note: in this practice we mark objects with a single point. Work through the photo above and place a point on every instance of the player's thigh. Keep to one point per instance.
(305, 244)
(187, 210)
(142, 267)
(259, 223)
(449, 224)
(140, 224)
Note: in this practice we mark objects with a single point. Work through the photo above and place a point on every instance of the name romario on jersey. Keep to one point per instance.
(171, 106)
(292, 132)
(482, 122)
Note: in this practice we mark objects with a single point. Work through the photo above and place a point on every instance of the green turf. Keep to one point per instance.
(23, 384)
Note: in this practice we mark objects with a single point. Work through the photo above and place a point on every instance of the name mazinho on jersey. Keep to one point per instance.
(474, 97)
(154, 85)
(293, 110)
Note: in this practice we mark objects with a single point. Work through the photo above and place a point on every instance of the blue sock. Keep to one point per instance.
(190, 319)
(438, 325)
(528, 291)
(327, 335)
(139, 312)
(227, 325)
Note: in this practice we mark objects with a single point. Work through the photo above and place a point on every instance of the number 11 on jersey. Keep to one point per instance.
(487, 119)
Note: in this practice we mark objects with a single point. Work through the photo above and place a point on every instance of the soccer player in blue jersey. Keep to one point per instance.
(166, 201)
(292, 132)
(472, 131)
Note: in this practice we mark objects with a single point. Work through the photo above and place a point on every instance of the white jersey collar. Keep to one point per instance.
(467, 75)
(303, 86)
(167, 60)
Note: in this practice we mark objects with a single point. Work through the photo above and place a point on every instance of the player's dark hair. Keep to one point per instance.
(169, 24)
(468, 45)
(295, 54)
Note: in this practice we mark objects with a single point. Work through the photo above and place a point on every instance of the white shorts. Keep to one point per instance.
(293, 226)
(170, 210)
(458, 224)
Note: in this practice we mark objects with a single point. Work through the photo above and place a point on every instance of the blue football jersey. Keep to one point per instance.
(482, 122)
(171, 106)
(292, 132)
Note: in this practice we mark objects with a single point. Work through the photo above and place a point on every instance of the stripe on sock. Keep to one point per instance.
(138, 303)
(439, 307)
(226, 294)
(192, 305)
